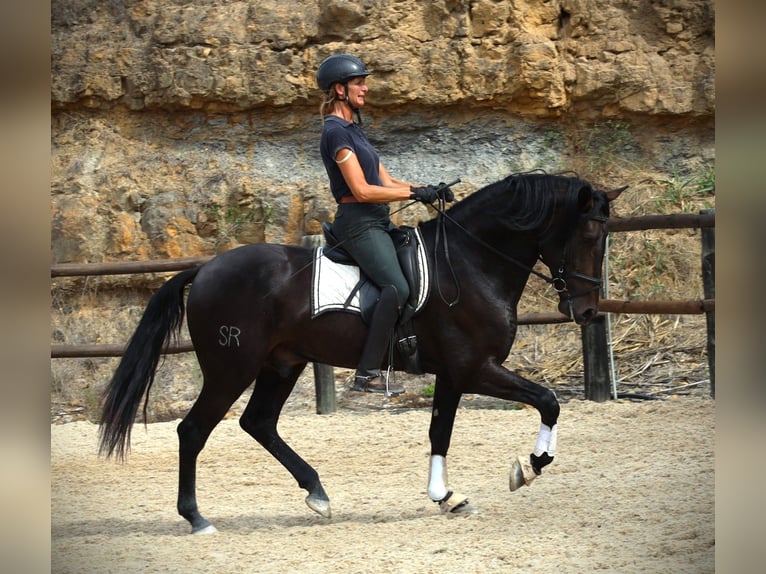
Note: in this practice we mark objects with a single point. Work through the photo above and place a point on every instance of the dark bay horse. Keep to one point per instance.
(260, 292)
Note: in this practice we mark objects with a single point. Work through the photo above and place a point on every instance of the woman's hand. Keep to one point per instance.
(427, 194)
(430, 193)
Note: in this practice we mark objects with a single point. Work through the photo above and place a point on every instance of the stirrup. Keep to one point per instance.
(377, 384)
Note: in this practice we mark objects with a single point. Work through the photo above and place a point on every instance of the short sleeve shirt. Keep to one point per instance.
(339, 134)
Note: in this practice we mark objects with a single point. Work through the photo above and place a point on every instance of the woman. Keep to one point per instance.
(363, 188)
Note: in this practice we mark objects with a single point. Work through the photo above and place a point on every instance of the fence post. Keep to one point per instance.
(595, 350)
(324, 386)
(708, 282)
(324, 376)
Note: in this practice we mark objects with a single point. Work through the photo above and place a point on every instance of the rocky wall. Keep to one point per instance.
(183, 128)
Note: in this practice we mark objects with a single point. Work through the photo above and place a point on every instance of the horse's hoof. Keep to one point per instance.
(522, 473)
(209, 529)
(456, 505)
(465, 509)
(319, 505)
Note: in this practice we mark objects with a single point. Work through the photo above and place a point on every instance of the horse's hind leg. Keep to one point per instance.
(260, 421)
(193, 432)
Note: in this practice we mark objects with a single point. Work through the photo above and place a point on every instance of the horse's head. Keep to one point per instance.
(575, 257)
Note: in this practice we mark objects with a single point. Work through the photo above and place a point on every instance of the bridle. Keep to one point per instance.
(559, 282)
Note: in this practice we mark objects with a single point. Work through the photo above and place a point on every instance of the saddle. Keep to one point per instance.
(364, 294)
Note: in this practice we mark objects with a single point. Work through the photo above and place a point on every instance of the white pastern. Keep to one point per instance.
(437, 477)
(546, 440)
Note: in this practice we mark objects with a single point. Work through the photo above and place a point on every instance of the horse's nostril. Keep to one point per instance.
(589, 314)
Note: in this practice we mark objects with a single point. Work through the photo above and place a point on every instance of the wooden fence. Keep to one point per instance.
(598, 379)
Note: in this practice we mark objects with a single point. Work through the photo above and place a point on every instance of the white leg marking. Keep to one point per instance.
(546, 440)
(437, 477)
(552, 442)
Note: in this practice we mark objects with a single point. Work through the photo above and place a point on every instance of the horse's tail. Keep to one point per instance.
(134, 375)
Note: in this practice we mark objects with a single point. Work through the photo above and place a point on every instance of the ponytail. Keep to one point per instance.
(328, 104)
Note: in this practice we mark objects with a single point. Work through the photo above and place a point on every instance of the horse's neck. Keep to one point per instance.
(506, 257)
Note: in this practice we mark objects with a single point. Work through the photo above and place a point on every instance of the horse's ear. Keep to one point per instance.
(615, 193)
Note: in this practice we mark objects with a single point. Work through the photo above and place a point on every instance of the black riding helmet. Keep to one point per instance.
(339, 68)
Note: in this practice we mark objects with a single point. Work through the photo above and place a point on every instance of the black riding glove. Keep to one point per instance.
(445, 193)
(427, 194)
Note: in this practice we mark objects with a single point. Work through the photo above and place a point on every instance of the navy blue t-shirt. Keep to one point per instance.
(339, 134)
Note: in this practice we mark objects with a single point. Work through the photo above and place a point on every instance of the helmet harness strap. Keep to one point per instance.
(348, 103)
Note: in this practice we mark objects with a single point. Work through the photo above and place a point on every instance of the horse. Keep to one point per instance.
(260, 292)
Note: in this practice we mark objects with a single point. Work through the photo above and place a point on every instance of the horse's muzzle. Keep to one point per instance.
(580, 311)
(587, 316)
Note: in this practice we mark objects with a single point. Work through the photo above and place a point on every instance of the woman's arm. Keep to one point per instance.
(388, 181)
(391, 190)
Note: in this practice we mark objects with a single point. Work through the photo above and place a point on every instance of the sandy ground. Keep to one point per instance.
(631, 490)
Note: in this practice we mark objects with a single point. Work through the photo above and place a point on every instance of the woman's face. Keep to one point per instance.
(357, 89)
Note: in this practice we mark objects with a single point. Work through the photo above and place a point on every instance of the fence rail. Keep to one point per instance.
(605, 306)
(641, 223)
(596, 386)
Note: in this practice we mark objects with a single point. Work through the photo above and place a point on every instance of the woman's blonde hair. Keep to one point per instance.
(328, 103)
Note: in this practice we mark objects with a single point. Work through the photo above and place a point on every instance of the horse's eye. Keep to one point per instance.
(592, 236)
(591, 233)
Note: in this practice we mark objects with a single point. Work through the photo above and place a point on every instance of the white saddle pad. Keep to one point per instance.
(332, 283)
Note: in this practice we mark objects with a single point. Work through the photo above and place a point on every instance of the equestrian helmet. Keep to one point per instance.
(339, 68)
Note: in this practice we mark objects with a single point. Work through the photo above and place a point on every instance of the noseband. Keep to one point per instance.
(559, 282)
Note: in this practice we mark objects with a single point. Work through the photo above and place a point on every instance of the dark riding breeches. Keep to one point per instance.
(364, 230)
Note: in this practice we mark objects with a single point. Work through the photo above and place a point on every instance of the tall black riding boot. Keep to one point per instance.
(384, 318)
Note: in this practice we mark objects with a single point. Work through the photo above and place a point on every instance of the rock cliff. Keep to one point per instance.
(181, 128)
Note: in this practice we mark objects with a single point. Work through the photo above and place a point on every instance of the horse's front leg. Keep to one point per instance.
(446, 401)
(496, 381)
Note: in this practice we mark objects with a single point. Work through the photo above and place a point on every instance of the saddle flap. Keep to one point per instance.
(414, 263)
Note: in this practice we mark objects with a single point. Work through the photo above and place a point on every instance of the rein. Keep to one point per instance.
(441, 232)
(443, 215)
